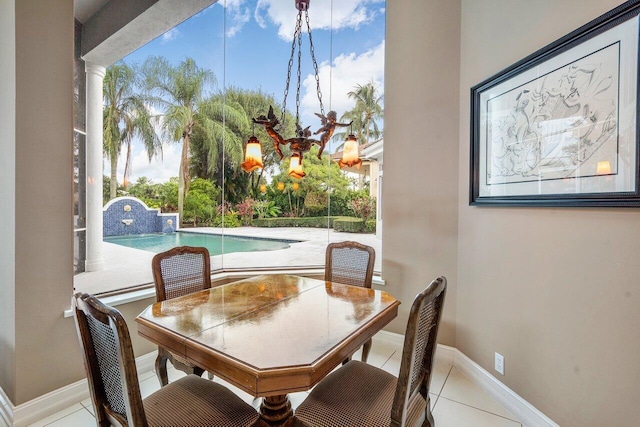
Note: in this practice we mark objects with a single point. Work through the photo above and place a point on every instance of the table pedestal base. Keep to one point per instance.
(276, 410)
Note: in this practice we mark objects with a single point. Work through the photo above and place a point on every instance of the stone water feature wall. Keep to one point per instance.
(129, 215)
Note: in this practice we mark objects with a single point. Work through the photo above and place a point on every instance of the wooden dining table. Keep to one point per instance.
(269, 335)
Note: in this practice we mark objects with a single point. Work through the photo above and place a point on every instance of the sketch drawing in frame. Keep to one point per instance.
(559, 128)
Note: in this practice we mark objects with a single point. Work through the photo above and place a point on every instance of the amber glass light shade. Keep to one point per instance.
(295, 167)
(252, 155)
(350, 156)
(603, 168)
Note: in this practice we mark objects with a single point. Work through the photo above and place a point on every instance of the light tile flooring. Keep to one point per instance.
(456, 400)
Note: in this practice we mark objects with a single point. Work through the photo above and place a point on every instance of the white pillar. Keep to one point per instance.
(95, 78)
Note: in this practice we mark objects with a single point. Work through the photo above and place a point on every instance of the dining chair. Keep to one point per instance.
(358, 394)
(179, 271)
(113, 381)
(351, 263)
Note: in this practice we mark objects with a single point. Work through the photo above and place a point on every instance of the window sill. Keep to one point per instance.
(140, 294)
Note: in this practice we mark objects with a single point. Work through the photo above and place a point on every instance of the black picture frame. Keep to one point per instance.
(560, 127)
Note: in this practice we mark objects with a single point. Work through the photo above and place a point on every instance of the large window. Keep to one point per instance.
(201, 84)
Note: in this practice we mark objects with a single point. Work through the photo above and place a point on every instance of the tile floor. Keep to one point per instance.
(456, 400)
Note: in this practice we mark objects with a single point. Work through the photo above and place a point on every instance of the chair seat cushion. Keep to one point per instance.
(357, 394)
(194, 401)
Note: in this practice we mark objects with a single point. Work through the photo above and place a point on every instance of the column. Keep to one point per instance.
(95, 78)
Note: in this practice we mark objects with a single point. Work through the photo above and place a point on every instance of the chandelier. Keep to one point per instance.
(302, 141)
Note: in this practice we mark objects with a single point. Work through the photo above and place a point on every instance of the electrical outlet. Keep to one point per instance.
(499, 365)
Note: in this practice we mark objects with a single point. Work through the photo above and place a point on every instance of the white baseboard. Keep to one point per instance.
(6, 408)
(528, 414)
(57, 400)
(520, 408)
(50, 403)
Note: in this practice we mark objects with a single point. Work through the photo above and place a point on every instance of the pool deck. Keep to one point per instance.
(125, 267)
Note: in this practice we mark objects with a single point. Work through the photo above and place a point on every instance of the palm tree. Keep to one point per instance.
(125, 116)
(179, 91)
(367, 110)
(219, 133)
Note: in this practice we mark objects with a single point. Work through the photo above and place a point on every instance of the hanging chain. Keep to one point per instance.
(297, 39)
(315, 64)
(293, 50)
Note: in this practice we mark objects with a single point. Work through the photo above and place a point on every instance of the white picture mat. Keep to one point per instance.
(557, 150)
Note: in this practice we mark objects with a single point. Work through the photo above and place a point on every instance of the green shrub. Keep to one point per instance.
(370, 226)
(349, 225)
(229, 220)
(311, 221)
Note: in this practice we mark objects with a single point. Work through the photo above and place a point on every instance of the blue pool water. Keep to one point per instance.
(213, 242)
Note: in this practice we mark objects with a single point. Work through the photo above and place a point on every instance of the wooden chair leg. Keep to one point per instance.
(366, 348)
(161, 369)
(197, 371)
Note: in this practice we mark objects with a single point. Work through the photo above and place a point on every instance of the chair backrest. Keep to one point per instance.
(181, 271)
(419, 348)
(350, 263)
(109, 363)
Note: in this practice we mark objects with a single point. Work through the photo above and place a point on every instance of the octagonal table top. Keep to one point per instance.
(269, 334)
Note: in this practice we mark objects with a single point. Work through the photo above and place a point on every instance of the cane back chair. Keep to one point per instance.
(115, 391)
(351, 263)
(358, 394)
(179, 271)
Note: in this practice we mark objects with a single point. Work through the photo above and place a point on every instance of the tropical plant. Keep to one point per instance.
(363, 206)
(124, 117)
(234, 109)
(178, 91)
(218, 137)
(267, 209)
(246, 210)
(365, 113)
(323, 179)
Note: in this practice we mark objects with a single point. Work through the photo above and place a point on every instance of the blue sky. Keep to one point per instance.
(247, 44)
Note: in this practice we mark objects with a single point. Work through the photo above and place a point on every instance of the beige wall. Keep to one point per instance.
(7, 192)
(44, 355)
(554, 290)
(419, 237)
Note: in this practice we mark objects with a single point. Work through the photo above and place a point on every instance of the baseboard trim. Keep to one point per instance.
(6, 408)
(57, 400)
(528, 414)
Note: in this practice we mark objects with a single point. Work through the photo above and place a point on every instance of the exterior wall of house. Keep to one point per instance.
(554, 290)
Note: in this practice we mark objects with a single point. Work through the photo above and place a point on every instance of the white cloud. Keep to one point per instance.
(238, 15)
(323, 14)
(160, 169)
(348, 71)
(172, 34)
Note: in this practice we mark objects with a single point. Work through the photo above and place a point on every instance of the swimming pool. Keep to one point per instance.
(213, 242)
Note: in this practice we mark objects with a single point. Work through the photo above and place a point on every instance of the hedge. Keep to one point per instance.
(349, 225)
(312, 221)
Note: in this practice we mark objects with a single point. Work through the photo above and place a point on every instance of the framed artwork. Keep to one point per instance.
(560, 127)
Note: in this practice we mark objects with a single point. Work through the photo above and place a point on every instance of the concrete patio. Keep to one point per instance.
(128, 267)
